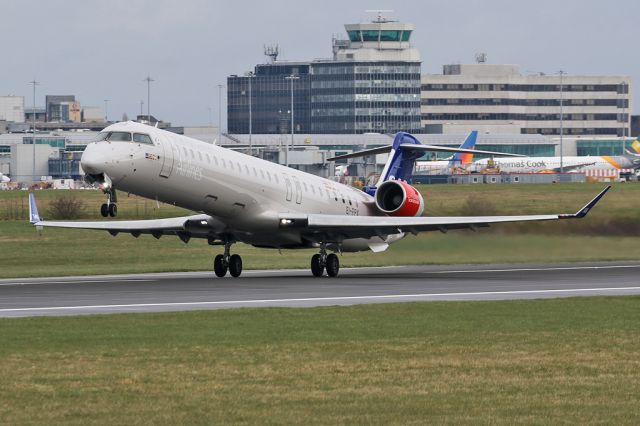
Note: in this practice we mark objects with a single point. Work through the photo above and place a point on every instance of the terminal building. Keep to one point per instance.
(372, 84)
(499, 99)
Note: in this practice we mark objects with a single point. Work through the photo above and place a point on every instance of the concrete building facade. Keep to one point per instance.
(492, 98)
(12, 109)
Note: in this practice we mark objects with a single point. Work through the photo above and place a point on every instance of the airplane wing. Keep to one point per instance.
(322, 227)
(573, 166)
(200, 225)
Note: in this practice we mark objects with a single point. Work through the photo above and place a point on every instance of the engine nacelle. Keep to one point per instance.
(398, 198)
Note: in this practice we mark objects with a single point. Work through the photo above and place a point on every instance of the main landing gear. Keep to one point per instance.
(227, 262)
(322, 261)
(110, 208)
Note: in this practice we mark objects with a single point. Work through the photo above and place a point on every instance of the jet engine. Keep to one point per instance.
(398, 198)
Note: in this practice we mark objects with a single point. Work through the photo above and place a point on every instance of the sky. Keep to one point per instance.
(104, 49)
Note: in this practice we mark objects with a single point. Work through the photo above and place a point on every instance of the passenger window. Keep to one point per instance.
(239, 168)
(185, 151)
(200, 155)
(313, 190)
(246, 169)
(224, 163)
(305, 186)
(269, 176)
(262, 174)
(208, 159)
(192, 155)
(231, 165)
(254, 172)
(142, 138)
(276, 178)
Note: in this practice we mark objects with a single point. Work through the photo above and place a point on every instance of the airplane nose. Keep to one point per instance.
(91, 160)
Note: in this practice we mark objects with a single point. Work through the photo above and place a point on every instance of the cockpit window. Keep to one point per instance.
(114, 137)
(142, 138)
(119, 137)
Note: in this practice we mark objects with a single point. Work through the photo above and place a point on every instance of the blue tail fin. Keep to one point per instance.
(401, 162)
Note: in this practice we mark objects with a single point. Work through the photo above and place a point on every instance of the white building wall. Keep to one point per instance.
(12, 108)
(578, 109)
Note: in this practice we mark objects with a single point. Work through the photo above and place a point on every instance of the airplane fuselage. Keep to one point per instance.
(551, 164)
(240, 192)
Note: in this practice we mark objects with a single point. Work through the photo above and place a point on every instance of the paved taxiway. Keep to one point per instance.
(297, 288)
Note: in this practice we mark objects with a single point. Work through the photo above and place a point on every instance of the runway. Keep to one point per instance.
(297, 288)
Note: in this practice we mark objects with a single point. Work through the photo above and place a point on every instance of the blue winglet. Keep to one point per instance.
(34, 217)
(587, 208)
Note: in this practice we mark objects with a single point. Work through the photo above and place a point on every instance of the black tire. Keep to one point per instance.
(235, 265)
(219, 267)
(317, 268)
(113, 210)
(333, 265)
(104, 210)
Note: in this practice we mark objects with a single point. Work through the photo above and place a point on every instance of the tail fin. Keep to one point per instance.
(636, 146)
(464, 159)
(34, 217)
(401, 161)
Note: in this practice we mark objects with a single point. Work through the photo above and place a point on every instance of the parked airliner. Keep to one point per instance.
(240, 198)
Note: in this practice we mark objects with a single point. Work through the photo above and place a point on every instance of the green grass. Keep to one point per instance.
(610, 232)
(542, 362)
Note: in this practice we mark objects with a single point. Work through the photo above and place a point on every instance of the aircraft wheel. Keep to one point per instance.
(219, 266)
(333, 265)
(113, 210)
(317, 268)
(235, 265)
(104, 210)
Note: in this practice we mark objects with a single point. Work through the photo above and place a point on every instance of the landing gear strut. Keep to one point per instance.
(110, 208)
(227, 262)
(322, 261)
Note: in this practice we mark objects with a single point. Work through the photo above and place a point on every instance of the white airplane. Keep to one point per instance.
(245, 199)
(630, 160)
(4, 179)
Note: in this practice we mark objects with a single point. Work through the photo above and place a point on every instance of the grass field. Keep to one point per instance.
(542, 362)
(609, 233)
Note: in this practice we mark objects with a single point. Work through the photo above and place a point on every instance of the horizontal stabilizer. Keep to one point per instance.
(423, 148)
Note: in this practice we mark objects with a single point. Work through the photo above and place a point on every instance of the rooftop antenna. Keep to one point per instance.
(272, 51)
(481, 58)
(380, 17)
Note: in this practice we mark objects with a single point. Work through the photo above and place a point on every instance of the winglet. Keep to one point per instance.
(34, 217)
(587, 208)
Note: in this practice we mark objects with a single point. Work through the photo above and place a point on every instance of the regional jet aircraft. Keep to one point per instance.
(240, 198)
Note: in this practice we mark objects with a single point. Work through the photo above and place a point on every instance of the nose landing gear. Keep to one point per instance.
(110, 208)
(227, 262)
(322, 261)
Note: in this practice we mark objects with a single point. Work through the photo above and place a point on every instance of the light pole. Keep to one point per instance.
(291, 78)
(34, 83)
(561, 72)
(141, 107)
(251, 76)
(106, 110)
(220, 86)
(148, 80)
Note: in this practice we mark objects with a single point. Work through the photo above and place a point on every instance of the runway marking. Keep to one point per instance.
(74, 282)
(552, 268)
(321, 299)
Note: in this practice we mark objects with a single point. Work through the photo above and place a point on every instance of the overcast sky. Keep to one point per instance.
(102, 49)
